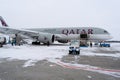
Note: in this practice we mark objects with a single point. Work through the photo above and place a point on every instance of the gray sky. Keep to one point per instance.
(62, 13)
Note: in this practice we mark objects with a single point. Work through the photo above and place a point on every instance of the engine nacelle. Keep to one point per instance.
(62, 41)
(46, 38)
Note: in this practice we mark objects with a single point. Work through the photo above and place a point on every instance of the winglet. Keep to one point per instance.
(3, 22)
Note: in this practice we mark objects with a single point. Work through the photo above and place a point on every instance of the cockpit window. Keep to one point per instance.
(105, 31)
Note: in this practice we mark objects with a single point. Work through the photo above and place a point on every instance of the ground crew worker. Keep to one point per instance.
(13, 41)
(90, 44)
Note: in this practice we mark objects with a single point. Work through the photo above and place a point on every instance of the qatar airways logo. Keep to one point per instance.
(77, 31)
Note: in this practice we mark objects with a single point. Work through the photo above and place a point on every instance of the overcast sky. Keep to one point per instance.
(62, 13)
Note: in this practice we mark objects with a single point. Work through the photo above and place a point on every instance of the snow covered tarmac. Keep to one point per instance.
(101, 60)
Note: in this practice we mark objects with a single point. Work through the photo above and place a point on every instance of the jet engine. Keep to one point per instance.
(46, 38)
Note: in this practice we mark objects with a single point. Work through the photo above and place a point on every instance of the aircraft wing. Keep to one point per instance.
(7, 30)
(28, 33)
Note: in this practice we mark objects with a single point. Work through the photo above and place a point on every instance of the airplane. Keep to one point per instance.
(62, 35)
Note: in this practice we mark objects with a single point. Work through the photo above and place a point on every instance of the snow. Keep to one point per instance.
(89, 76)
(54, 53)
(32, 53)
(89, 52)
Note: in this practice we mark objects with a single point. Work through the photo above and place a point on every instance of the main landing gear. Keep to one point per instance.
(38, 43)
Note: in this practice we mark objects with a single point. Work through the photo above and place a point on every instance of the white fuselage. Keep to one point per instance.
(74, 33)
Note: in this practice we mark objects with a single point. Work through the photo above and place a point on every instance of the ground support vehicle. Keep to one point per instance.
(74, 48)
(104, 45)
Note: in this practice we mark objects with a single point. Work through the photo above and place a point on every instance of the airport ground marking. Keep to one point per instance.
(86, 68)
(112, 72)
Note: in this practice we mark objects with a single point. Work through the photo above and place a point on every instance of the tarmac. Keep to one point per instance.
(92, 68)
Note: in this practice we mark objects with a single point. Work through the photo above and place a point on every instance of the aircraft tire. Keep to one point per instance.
(35, 43)
(1, 45)
(48, 43)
